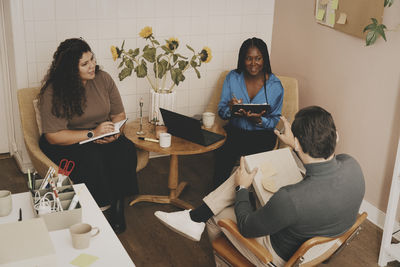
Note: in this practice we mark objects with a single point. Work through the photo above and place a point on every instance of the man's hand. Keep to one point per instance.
(242, 177)
(286, 135)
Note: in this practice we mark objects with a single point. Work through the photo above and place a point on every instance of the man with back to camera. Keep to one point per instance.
(325, 203)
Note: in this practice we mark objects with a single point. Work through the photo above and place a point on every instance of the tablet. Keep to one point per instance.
(254, 108)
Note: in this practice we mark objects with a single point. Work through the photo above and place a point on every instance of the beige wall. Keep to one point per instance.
(359, 85)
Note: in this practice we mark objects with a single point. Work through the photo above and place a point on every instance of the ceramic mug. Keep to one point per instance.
(165, 140)
(81, 233)
(208, 119)
(5, 203)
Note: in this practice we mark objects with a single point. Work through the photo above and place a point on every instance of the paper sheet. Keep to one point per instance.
(320, 14)
(84, 260)
(342, 18)
(287, 171)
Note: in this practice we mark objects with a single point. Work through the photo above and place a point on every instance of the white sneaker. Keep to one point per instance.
(181, 223)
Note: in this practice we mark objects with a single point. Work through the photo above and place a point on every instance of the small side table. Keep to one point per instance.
(178, 147)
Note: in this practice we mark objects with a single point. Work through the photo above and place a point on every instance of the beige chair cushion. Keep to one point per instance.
(37, 114)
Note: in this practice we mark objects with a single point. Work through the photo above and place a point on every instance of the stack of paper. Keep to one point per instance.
(277, 168)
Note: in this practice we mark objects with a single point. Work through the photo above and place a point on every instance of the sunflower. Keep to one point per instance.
(146, 32)
(172, 43)
(205, 54)
(114, 52)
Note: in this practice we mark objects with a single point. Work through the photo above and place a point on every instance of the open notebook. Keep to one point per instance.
(276, 168)
(117, 127)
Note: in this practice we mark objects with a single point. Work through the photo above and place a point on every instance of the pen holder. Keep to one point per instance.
(59, 219)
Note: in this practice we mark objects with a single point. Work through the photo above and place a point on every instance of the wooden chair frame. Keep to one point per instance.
(226, 250)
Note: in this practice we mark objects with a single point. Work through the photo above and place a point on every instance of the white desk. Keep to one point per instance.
(106, 245)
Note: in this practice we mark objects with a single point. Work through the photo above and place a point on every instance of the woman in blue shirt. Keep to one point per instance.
(251, 83)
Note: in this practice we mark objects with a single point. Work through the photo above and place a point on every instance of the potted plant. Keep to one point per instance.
(161, 65)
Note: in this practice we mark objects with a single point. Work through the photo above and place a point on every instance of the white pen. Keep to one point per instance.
(148, 139)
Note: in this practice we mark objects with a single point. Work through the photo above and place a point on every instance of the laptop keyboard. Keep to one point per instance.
(210, 137)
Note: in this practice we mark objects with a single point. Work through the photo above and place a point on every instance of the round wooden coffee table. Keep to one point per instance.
(178, 147)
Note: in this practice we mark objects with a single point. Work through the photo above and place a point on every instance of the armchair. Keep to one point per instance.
(31, 135)
(312, 252)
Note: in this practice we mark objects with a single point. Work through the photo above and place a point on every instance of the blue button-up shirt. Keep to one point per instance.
(234, 84)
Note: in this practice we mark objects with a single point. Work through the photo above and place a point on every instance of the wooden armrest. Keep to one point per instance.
(256, 248)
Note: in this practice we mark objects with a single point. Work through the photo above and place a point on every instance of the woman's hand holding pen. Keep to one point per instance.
(234, 101)
(254, 117)
(103, 128)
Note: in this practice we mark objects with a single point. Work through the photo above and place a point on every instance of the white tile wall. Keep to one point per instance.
(220, 24)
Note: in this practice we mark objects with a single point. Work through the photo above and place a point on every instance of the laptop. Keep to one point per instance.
(188, 128)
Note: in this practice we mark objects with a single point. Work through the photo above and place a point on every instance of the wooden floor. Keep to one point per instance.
(151, 244)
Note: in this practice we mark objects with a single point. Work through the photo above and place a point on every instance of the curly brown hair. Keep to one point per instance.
(69, 95)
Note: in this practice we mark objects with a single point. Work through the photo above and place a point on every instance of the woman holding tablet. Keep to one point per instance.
(252, 82)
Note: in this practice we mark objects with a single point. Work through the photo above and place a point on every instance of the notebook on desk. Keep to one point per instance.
(188, 128)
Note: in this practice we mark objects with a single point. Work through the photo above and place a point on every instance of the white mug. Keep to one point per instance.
(165, 140)
(208, 119)
(5, 203)
(81, 233)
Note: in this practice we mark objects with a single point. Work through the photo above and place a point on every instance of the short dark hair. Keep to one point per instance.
(262, 46)
(316, 131)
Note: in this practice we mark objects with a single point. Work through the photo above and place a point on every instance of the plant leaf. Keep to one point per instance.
(166, 49)
(174, 58)
(156, 42)
(388, 3)
(179, 55)
(371, 38)
(182, 64)
(374, 31)
(124, 73)
(197, 72)
(129, 63)
(135, 52)
(191, 49)
(121, 64)
(149, 54)
(141, 69)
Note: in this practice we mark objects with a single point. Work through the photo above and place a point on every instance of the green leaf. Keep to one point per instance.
(124, 73)
(166, 49)
(121, 64)
(182, 64)
(135, 52)
(162, 68)
(191, 49)
(371, 38)
(388, 3)
(177, 76)
(149, 54)
(193, 64)
(141, 69)
(122, 46)
(155, 42)
(129, 63)
(174, 58)
(179, 55)
(374, 31)
(197, 72)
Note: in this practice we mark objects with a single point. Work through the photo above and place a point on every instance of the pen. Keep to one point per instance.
(148, 139)
(20, 215)
(29, 179)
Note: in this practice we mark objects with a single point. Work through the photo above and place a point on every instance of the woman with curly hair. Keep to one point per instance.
(78, 101)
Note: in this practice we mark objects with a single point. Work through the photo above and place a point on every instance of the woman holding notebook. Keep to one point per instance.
(252, 82)
(78, 102)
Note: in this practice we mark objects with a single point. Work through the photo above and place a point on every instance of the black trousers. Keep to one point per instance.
(108, 170)
(239, 143)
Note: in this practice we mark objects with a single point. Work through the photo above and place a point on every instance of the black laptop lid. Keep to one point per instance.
(183, 126)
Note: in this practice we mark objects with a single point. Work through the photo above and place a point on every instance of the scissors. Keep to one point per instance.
(64, 170)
